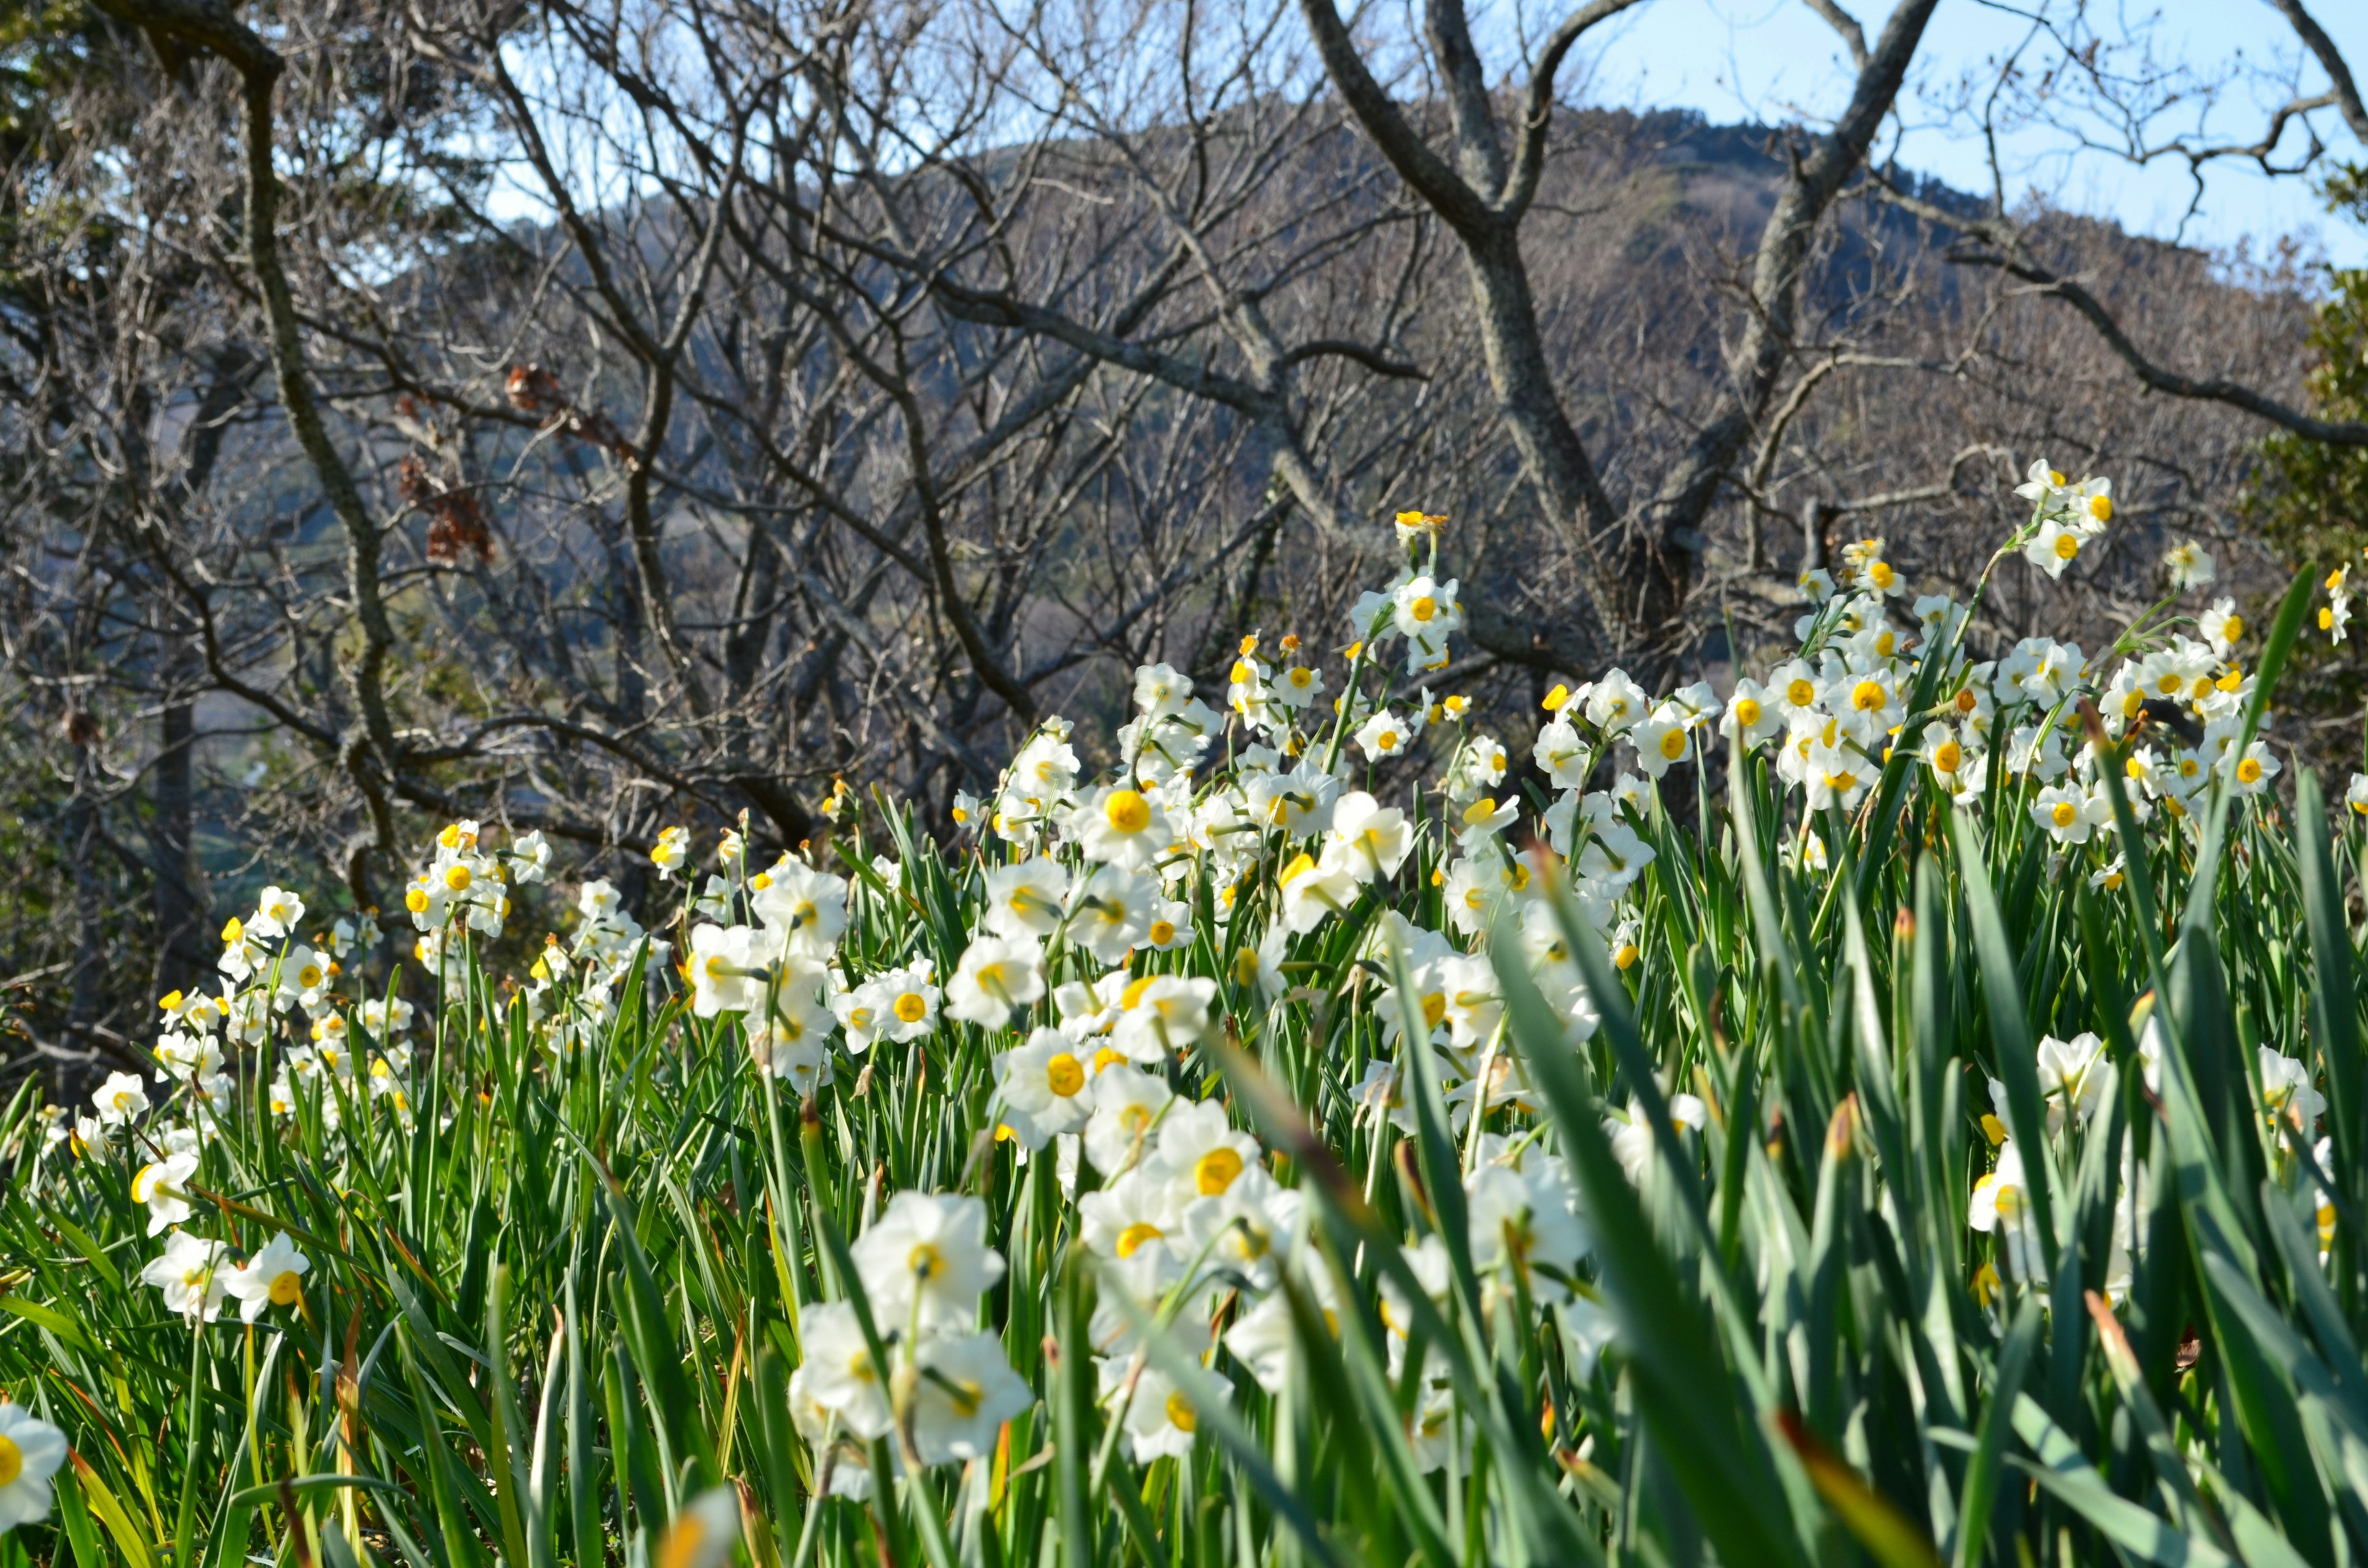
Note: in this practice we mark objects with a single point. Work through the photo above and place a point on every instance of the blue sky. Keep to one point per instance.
(1775, 59)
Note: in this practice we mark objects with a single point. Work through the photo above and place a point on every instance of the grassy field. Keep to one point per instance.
(1902, 1111)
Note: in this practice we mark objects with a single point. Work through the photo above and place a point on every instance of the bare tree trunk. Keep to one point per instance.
(180, 949)
(76, 1064)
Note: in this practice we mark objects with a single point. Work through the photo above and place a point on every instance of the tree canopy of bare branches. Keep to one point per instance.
(596, 414)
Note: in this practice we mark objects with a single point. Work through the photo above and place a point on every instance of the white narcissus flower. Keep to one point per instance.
(1161, 1420)
(277, 914)
(2072, 1073)
(32, 1450)
(2043, 486)
(1161, 1015)
(530, 858)
(2054, 547)
(899, 1004)
(791, 1040)
(2252, 771)
(1134, 1212)
(966, 1393)
(1947, 754)
(1661, 739)
(839, 1458)
(2287, 1091)
(1313, 893)
(1026, 900)
(1299, 803)
(274, 1277)
(193, 1273)
(2222, 626)
(806, 906)
(2189, 566)
(1374, 839)
(1383, 736)
(1160, 690)
(1561, 755)
(839, 1374)
(121, 1100)
(1632, 1140)
(161, 1185)
(2070, 815)
(1522, 1223)
(671, 851)
(1042, 1084)
(1752, 714)
(1121, 827)
(1296, 686)
(1263, 1339)
(1425, 608)
(730, 968)
(2002, 1207)
(1109, 912)
(2355, 795)
(1045, 769)
(1245, 1229)
(1199, 1151)
(1170, 928)
(1837, 776)
(703, 1534)
(926, 1260)
(1617, 704)
(1127, 1107)
(995, 975)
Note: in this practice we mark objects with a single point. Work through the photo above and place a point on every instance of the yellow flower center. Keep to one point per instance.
(2232, 629)
(912, 1007)
(286, 1288)
(2101, 509)
(1746, 712)
(2065, 814)
(1947, 757)
(1673, 745)
(457, 878)
(309, 976)
(1867, 696)
(1625, 957)
(2067, 546)
(859, 1018)
(1434, 1007)
(1180, 1412)
(1064, 1075)
(2248, 771)
(1214, 1171)
(1127, 812)
(1423, 608)
(1880, 574)
(415, 900)
(1801, 693)
(1967, 701)
(926, 1261)
(1386, 740)
(1162, 932)
(12, 1461)
(1134, 1236)
(1300, 678)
